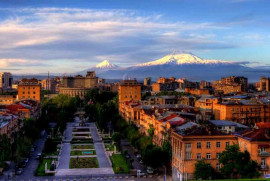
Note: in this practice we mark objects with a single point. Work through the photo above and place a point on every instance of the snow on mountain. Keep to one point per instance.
(105, 64)
(183, 58)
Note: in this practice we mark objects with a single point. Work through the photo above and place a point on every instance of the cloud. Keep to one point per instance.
(62, 37)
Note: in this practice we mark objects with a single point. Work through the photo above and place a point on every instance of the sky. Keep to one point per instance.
(66, 36)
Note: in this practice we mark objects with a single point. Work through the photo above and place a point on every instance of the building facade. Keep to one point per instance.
(29, 89)
(6, 80)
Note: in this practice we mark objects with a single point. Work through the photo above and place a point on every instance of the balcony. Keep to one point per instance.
(264, 167)
(263, 153)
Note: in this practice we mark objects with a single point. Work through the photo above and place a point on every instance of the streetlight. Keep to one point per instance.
(164, 173)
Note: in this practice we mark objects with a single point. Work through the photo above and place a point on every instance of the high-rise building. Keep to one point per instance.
(6, 80)
(264, 84)
(29, 89)
(129, 90)
(147, 81)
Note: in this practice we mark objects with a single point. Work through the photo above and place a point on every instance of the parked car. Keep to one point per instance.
(138, 156)
(26, 160)
(18, 171)
(150, 170)
(141, 173)
(32, 149)
(127, 156)
(38, 156)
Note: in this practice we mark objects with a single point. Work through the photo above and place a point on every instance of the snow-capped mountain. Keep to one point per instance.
(176, 65)
(183, 58)
(105, 64)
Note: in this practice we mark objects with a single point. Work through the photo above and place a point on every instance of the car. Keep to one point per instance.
(26, 160)
(150, 170)
(141, 173)
(38, 156)
(32, 149)
(127, 156)
(138, 156)
(18, 171)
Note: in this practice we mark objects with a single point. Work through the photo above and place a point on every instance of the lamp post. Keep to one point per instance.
(164, 173)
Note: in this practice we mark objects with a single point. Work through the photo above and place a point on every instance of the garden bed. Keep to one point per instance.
(82, 147)
(119, 163)
(87, 152)
(90, 162)
(109, 147)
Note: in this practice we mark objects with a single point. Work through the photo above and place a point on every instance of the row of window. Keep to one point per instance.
(199, 156)
(28, 97)
(28, 88)
(29, 92)
(208, 145)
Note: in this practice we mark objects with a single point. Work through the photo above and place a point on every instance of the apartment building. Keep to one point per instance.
(29, 89)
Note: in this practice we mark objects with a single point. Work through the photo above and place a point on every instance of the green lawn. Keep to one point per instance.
(119, 164)
(74, 153)
(110, 147)
(40, 171)
(82, 147)
(83, 162)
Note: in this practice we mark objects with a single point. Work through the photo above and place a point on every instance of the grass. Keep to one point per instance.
(109, 147)
(74, 153)
(82, 147)
(119, 164)
(40, 171)
(91, 162)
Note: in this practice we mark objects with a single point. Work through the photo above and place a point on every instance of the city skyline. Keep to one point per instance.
(74, 36)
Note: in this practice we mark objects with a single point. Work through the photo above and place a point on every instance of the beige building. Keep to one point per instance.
(6, 80)
(78, 85)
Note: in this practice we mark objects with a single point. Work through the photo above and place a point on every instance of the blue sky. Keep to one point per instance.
(68, 36)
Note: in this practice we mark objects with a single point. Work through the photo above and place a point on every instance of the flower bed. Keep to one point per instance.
(90, 162)
(82, 147)
(87, 152)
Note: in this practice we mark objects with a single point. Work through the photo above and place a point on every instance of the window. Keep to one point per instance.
(34, 92)
(23, 88)
(34, 97)
(227, 144)
(188, 145)
(199, 156)
(188, 155)
(208, 145)
(208, 155)
(23, 92)
(218, 166)
(34, 87)
(218, 145)
(245, 147)
(217, 155)
(199, 145)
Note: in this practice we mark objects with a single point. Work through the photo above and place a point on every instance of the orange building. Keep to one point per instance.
(197, 91)
(257, 143)
(129, 90)
(205, 104)
(246, 112)
(194, 144)
(9, 125)
(7, 99)
(29, 89)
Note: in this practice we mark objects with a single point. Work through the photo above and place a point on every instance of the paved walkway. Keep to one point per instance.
(65, 155)
(103, 159)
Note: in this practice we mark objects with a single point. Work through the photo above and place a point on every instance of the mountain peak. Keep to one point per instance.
(181, 58)
(105, 64)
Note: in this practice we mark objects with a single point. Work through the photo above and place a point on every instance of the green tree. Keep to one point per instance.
(237, 164)
(150, 155)
(5, 149)
(204, 170)
(145, 95)
(151, 131)
(116, 137)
